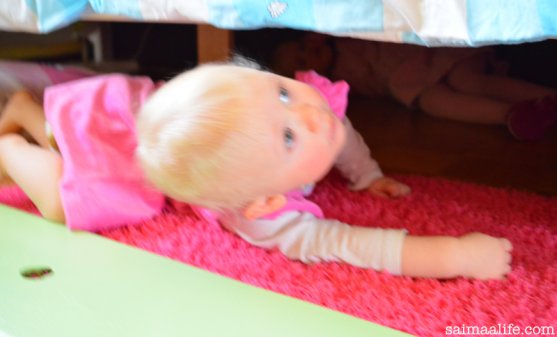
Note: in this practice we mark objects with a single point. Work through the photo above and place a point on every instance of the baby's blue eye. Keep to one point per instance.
(289, 138)
(284, 96)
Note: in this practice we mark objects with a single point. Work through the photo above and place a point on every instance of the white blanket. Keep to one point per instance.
(426, 22)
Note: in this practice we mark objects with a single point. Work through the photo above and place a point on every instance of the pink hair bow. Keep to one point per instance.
(335, 93)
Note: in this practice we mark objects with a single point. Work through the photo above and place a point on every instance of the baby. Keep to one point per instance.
(461, 84)
(244, 143)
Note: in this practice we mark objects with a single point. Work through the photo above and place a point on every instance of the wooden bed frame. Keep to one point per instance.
(213, 44)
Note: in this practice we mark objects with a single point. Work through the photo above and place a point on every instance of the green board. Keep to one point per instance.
(99, 287)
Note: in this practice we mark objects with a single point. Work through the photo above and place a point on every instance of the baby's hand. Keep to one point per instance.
(388, 188)
(485, 257)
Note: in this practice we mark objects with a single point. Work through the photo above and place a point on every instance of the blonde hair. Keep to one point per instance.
(193, 134)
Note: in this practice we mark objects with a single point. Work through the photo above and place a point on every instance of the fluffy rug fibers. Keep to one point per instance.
(424, 307)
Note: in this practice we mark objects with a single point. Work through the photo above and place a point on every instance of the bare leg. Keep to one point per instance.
(470, 76)
(444, 102)
(19, 160)
(23, 112)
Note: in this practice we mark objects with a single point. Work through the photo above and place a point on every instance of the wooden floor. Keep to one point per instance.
(405, 141)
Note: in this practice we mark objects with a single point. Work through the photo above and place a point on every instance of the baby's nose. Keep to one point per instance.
(313, 118)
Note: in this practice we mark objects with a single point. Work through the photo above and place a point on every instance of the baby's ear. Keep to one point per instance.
(263, 206)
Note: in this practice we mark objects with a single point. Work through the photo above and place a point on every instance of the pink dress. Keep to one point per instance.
(93, 122)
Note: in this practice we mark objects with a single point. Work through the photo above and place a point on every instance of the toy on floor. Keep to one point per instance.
(243, 142)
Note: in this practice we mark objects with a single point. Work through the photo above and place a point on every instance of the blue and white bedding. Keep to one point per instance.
(427, 22)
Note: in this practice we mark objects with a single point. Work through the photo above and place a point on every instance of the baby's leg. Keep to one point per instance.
(23, 112)
(444, 102)
(470, 76)
(19, 160)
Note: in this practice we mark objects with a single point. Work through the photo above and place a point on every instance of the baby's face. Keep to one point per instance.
(302, 137)
(305, 54)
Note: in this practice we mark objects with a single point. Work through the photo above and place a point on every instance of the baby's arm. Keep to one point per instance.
(474, 255)
(363, 172)
(301, 236)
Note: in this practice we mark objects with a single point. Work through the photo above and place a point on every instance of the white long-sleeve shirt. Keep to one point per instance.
(305, 237)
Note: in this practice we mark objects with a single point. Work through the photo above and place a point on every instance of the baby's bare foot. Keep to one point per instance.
(485, 257)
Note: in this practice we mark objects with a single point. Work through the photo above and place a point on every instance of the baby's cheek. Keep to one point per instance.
(319, 162)
(341, 141)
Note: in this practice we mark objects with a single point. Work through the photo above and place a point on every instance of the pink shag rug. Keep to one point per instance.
(423, 307)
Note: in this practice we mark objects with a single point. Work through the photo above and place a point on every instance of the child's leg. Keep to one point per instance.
(526, 120)
(469, 76)
(444, 102)
(19, 160)
(23, 112)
